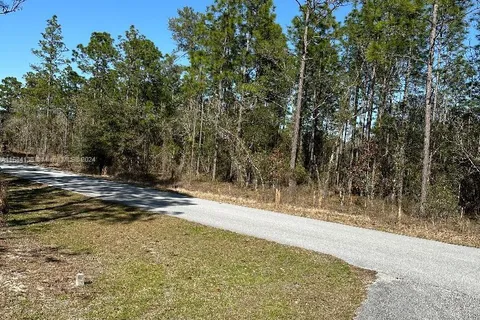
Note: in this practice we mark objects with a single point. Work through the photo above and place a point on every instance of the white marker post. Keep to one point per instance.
(80, 280)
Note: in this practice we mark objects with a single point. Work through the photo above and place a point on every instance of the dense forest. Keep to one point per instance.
(384, 105)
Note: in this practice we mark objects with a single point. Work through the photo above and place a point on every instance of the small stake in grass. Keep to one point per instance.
(80, 280)
(278, 196)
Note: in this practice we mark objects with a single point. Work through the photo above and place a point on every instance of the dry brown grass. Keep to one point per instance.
(305, 202)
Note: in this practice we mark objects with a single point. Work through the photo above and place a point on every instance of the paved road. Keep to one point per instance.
(418, 279)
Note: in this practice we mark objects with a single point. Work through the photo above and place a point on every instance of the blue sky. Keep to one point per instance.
(21, 31)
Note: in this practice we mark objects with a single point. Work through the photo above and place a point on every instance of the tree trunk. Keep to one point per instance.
(237, 143)
(340, 154)
(200, 138)
(313, 136)
(217, 119)
(194, 135)
(428, 112)
(400, 184)
(371, 96)
(400, 156)
(331, 162)
(298, 110)
(353, 142)
(241, 106)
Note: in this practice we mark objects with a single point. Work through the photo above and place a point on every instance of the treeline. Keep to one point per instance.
(385, 105)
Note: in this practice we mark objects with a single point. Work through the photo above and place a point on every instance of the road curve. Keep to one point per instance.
(417, 278)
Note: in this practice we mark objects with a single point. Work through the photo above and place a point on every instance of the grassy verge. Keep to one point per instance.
(144, 266)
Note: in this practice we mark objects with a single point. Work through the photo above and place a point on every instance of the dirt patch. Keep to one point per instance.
(32, 273)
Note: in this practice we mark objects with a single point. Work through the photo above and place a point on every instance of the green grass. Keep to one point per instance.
(141, 265)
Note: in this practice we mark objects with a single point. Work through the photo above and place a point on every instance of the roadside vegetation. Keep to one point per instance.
(380, 108)
(361, 212)
(140, 265)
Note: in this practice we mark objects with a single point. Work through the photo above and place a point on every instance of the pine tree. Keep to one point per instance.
(43, 84)
(10, 91)
(141, 85)
(312, 10)
(103, 111)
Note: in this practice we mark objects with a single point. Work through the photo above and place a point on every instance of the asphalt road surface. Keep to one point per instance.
(417, 279)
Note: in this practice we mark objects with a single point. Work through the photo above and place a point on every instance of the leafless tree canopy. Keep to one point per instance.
(10, 6)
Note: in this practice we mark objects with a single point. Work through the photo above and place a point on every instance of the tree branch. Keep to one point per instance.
(6, 8)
